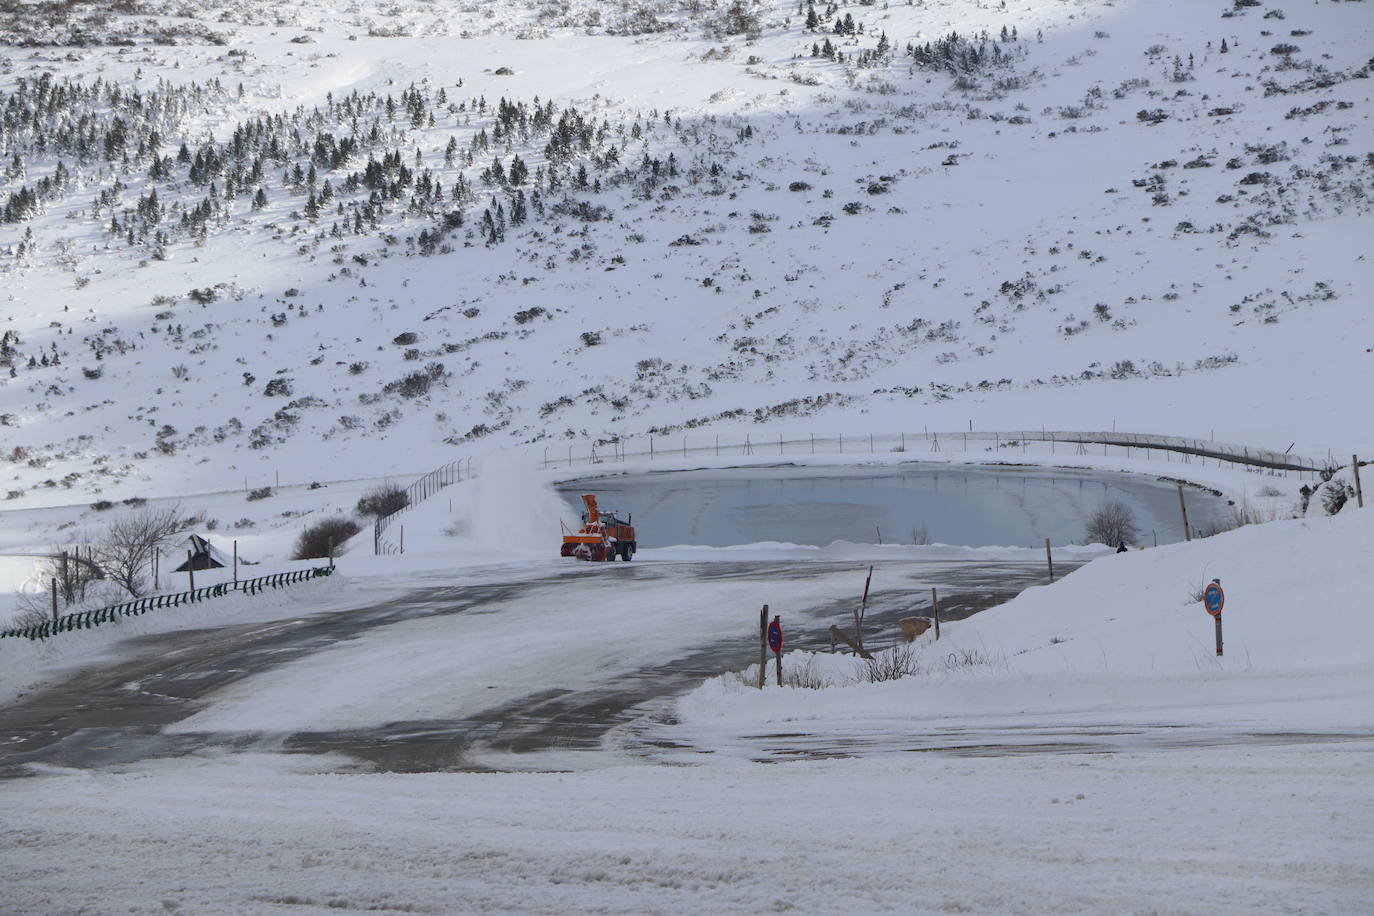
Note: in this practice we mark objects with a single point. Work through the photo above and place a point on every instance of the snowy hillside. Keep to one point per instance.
(327, 243)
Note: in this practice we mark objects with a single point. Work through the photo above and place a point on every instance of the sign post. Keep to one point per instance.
(775, 643)
(1214, 599)
(763, 645)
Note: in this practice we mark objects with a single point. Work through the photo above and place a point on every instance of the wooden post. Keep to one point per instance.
(935, 612)
(1049, 558)
(190, 570)
(1183, 508)
(777, 656)
(1218, 620)
(54, 599)
(156, 568)
(331, 553)
(236, 561)
(403, 539)
(1359, 493)
(837, 634)
(863, 610)
(763, 645)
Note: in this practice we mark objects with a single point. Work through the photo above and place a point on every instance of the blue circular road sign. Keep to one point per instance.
(775, 636)
(1213, 598)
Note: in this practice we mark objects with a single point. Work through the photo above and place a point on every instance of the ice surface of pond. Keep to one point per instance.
(963, 505)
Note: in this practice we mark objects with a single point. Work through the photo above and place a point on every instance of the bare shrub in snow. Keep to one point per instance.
(808, 676)
(383, 500)
(278, 387)
(973, 658)
(74, 574)
(324, 538)
(739, 18)
(891, 665)
(415, 384)
(1112, 523)
(1335, 494)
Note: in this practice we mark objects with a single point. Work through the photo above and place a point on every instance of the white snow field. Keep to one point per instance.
(1121, 768)
(259, 259)
(1100, 219)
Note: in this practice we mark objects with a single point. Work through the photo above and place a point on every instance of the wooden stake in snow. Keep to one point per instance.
(190, 570)
(935, 612)
(1359, 493)
(54, 598)
(863, 609)
(1183, 507)
(836, 634)
(236, 561)
(1049, 558)
(763, 645)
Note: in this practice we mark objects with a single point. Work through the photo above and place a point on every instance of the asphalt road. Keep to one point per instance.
(114, 713)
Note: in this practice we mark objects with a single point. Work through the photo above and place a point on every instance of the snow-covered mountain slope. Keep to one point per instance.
(342, 242)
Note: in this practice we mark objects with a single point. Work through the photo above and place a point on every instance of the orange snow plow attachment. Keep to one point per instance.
(601, 537)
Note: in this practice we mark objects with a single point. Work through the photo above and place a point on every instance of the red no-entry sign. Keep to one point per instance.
(775, 636)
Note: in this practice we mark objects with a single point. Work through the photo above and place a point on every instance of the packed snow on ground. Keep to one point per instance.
(1239, 783)
(1221, 830)
(1122, 226)
(1123, 640)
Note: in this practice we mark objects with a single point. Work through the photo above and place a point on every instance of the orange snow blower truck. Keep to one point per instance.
(601, 537)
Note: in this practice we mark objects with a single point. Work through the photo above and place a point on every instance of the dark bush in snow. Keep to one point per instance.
(323, 539)
(383, 500)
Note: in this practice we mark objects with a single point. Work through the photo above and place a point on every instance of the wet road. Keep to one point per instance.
(114, 713)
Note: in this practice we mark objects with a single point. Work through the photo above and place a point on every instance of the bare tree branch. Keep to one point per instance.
(1112, 524)
(130, 543)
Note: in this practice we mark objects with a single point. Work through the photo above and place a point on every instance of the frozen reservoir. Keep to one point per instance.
(963, 505)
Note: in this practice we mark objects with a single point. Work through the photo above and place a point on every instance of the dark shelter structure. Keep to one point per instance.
(203, 556)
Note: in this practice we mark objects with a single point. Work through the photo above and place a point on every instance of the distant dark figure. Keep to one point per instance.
(1121, 547)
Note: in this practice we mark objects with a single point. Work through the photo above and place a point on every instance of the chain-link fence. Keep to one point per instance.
(419, 491)
(994, 444)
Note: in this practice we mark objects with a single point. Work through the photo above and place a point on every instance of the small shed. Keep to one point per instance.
(203, 555)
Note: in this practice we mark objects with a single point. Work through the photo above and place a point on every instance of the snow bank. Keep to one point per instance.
(1125, 634)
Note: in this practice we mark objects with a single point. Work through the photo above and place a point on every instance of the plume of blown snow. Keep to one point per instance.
(508, 507)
